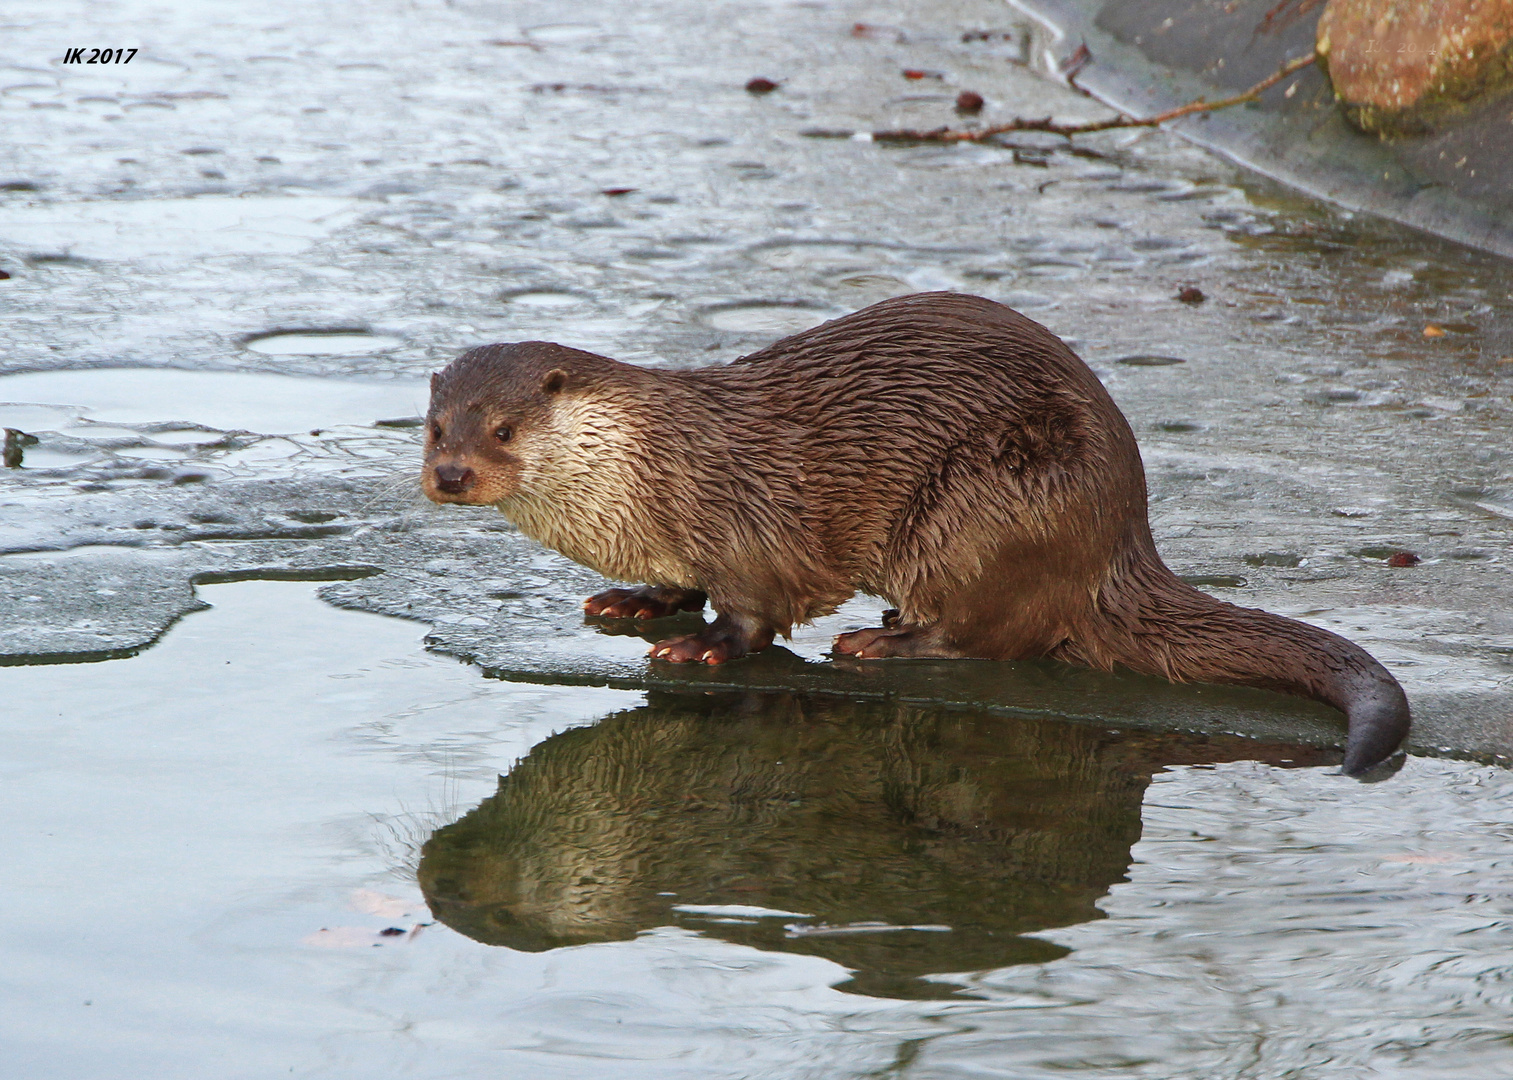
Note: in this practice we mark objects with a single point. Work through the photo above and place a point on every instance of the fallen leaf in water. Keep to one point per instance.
(969, 101)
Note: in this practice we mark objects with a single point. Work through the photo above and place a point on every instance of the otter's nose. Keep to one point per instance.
(454, 479)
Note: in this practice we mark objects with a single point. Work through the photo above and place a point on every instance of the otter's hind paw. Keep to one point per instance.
(879, 642)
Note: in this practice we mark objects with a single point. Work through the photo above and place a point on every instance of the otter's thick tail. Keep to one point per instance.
(1154, 623)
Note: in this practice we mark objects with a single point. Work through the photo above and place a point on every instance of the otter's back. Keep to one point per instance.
(940, 421)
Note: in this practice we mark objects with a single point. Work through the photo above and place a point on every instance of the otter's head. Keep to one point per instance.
(491, 412)
(552, 437)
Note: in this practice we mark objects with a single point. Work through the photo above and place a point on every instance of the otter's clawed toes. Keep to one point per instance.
(694, 649)
(866, 644)
(632, 607)
(875, 643)
(647, 602)
(613, 604)
(729, 637)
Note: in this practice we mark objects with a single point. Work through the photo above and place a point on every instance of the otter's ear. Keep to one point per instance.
(553, 381)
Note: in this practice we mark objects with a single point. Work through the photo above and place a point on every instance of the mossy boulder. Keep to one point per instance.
(1397, 65)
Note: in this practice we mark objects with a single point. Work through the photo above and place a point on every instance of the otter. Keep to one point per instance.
(941, 451)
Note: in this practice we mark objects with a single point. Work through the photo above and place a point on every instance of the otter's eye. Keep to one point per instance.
(503, 434)
(436, 432)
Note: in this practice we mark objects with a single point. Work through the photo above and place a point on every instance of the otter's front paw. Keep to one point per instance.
(696, 649)
(647, 602)
(729, 637)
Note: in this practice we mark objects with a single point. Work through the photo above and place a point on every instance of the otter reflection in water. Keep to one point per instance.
(951, 833)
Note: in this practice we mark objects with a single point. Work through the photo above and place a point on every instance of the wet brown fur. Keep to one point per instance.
(941, 451)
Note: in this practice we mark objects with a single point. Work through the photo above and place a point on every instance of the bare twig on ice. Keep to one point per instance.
(946, 135)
